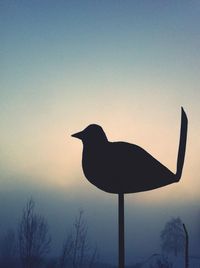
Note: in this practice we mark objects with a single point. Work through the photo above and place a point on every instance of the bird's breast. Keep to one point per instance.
(95, 166)
(92, 162)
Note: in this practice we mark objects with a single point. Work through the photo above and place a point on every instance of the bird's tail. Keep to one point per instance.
(182, 145)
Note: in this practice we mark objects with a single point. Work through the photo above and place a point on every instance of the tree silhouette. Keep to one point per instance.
(172, 237)
(33, 235)
(76, 252)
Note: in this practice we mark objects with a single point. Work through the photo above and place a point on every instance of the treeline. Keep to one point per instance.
(29, 246)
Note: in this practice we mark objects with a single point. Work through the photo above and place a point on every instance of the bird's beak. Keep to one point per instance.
(78, 135)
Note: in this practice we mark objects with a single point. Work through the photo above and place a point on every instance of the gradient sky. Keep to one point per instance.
(126, 65)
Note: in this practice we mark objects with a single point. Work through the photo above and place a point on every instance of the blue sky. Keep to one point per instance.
(126, 65)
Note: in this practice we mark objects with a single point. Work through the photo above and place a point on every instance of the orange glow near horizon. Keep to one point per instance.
(48, 154)
(82, 68)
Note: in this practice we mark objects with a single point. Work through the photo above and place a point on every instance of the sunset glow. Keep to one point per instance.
(128, 66)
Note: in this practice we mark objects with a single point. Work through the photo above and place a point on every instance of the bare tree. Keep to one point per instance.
(172, 237)
(93, 258)
(66, 254)
(80, 240)
(8, 248)
(76, 252)
(33, 235)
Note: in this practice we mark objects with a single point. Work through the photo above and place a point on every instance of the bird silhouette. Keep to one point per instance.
(121, 167)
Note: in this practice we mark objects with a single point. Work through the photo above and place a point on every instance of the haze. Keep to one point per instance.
(128, 66)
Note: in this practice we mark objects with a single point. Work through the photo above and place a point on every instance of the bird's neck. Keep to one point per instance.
(95, 144)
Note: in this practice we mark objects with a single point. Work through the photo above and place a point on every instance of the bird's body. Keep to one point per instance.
(121, 167)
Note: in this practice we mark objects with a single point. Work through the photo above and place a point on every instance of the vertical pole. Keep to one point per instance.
(186, 247)
(121, 229)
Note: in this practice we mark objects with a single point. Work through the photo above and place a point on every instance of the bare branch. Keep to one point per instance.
(33, 236)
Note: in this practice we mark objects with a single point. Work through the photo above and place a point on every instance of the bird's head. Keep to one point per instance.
(93, 134)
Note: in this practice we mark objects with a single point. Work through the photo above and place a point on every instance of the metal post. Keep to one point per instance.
(186, 247)
(121, 230)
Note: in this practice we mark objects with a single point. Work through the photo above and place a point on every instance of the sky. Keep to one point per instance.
(128, 66)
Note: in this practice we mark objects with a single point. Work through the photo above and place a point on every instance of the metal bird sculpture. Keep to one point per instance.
(121, 167)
